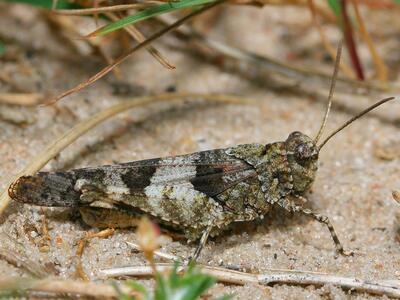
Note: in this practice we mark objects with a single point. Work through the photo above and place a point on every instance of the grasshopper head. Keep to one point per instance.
(302, 154)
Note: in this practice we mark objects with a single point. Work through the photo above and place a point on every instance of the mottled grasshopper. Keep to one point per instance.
(199, 194)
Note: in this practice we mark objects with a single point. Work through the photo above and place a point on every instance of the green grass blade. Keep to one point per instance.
(335, 6)
(138, 287)
(150, 12)
(61, 4)
(192, 288)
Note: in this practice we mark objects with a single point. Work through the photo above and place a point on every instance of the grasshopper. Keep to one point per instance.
(198, 194)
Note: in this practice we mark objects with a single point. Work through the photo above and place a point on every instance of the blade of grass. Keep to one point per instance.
(123, 57)
(148, 13)
(335, 6)
(70, 136)
(61, 4)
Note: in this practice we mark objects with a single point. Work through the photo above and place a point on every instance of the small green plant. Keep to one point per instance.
(187, 286)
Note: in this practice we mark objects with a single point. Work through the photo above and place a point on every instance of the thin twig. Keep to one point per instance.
(70, 136)
(388, 288)
(123, 57)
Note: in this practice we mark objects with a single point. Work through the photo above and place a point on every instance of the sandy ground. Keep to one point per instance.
(353, 186)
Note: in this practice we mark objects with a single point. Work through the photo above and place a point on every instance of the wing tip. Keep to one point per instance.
(44, 189)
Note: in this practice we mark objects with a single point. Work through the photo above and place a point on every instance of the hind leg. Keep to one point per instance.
(292, 207)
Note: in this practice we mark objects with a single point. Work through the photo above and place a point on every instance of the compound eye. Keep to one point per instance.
(303, 151)
(295, 134)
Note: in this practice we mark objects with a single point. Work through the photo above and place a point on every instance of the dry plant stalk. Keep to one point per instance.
(68, 28)
(327, 45)
(296, 277)
(123, 57)
(139, 37)
(389, 288)
(380, 66)
(70, 136)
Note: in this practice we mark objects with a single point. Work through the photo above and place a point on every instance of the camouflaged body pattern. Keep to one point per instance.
(188, 192)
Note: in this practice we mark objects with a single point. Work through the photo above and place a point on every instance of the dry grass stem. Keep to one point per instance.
(68, 28)
(327, 45)
(24, 99)
(123, 57)
(388, 288)
(139, 37)
(70, 136)
(381, 69)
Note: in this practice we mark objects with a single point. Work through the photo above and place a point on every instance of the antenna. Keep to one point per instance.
(367, 110)
(332, 89)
